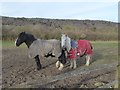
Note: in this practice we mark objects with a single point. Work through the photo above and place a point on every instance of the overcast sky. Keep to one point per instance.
(62, 10)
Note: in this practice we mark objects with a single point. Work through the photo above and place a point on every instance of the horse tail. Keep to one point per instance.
(91, 45)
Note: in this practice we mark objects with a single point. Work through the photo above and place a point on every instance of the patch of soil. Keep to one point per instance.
(83, 80)
(18, 69)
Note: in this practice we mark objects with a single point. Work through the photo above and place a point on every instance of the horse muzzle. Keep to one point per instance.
(16, 43)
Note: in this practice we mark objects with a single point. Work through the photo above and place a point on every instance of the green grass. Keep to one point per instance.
(10, 44)
(7, 43)
(108, 49)
(100, 44)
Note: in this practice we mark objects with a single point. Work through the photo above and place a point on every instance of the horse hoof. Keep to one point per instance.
(38, 68)
(74, 67)
(60, 69)
(70, 67)
(87, 64)
(57, 64)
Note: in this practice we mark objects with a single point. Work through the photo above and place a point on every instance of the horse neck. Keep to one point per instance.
(29, 40)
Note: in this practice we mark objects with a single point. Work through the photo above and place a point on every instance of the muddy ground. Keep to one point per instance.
(18, 71)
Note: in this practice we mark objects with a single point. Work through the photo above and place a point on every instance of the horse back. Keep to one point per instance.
(84, 46)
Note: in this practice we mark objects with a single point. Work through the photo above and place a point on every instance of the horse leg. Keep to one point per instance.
(57, 64)
(74, 63)
(37, 60)
(71, 63)
(88, 57)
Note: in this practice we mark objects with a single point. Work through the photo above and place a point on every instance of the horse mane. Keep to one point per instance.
(30, 36)
(29, 39)
(68, 42)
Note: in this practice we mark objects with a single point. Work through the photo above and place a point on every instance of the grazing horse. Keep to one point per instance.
(75, 49)
(38, 48)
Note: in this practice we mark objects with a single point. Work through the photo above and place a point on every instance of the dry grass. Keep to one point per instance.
(50, 33)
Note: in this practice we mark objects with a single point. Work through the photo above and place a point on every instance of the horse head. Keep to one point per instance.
(65, 42)
(63, 39)
(26, 38)
(21, 39)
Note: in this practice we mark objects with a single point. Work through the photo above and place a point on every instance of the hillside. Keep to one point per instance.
(52, 28)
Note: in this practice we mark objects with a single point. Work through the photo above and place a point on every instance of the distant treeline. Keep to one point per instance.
(53, 28)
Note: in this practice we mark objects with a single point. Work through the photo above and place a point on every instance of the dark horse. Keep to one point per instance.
(29, 39)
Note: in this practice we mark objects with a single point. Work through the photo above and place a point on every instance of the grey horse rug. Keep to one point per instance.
(42, 47)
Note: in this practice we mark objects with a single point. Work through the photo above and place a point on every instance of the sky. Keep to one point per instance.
(62, 10)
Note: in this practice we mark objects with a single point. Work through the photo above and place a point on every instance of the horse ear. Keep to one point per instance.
(24, 32)
(63, 34)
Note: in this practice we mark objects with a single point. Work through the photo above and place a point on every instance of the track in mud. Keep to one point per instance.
(20, 72)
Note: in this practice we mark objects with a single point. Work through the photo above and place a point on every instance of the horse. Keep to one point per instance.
(42, 48)
(76, 49)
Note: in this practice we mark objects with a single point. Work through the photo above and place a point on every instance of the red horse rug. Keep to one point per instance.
(84, 47)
